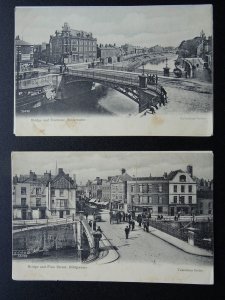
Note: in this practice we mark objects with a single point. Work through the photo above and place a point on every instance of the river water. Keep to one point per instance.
(192, 97)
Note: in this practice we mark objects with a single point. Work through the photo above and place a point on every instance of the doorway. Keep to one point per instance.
(172, 211)
(61, 214)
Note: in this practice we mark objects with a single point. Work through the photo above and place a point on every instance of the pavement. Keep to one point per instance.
(155, 247)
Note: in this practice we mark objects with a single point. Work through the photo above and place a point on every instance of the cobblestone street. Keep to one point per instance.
(144, 247)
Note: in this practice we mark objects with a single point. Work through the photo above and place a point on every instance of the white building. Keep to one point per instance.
(182, 192)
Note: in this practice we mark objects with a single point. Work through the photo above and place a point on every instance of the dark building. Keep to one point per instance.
(148, 194)
(72, 46)
(23, 55)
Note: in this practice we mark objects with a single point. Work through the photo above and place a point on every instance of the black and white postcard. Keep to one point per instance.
(114, 71)
(113, 216)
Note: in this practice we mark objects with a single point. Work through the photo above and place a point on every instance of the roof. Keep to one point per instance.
(148, 178)
(123, 177)
(172, 174)
(22, 43)
(62, 181)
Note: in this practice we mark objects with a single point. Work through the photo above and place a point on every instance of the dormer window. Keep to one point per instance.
(182, 178)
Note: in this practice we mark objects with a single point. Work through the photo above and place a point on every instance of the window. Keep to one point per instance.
(182, 188)
(160, 188)
(132, 188)
(190, 188)
(160, 209)
(182, 199)
(182, 178)
(145, 199)
(140, 188)
(53, 193)
(160, 200)
(175, 188)
(190, 199)
(38, 202)
(209, 205)
(62, 203)
(150, 187)
(145, 188)
(23, 191)
(38, 191)
(150, 200)
(67, 212)
(174, 199)
(23, 201)
(61, 192)
(201, 205)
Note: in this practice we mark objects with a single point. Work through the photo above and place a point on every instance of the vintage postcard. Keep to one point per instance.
(113, 216)
(114, 71)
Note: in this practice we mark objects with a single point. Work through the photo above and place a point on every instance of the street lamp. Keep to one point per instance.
(143, 65)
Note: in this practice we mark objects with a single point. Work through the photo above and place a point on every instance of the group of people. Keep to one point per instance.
(120, 216)
(152, 79)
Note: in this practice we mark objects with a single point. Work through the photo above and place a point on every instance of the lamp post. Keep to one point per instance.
(18, 56)
(143, 70)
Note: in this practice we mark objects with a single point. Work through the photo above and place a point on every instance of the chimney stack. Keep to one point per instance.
(123, 171)
(60, 171)
(190, 170)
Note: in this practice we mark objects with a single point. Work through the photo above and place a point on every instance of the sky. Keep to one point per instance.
(89, 165)
(144, 26)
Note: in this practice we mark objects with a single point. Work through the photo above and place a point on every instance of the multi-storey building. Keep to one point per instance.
(96, 188)
(43, 196)
(109, 54)
(118, 199)
(24, 55)
(106, 189)
(182, 192)
(29, 196)
(148, 194)
(72, 46)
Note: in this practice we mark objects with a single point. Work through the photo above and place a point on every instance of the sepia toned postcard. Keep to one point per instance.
(113, 216)
(114, 71)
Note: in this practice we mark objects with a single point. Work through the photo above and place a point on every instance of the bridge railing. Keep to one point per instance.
(115, 77)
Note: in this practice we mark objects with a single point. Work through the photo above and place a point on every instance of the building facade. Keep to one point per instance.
(148, 194)
(96, 188)
(118, 198)
(72, 46)
(43, 196)
(182, 192)
(30, 197)
(106, 189)
(109, 54)
(24, 55)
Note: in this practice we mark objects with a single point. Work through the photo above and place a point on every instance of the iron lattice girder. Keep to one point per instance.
(126, 89)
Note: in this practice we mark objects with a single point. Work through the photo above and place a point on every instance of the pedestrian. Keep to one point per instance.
(129, 217)
(147, 225)
(127, 230)
(86, 214)
(144, 225)
(133, 224)
(90, 223)
(153, 78)
(139, 219)
(156, 79)
(94, 225)
(120, 217)
(99, 229)
(124, 217)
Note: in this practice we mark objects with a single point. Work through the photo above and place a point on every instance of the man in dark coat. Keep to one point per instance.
(127, 232)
